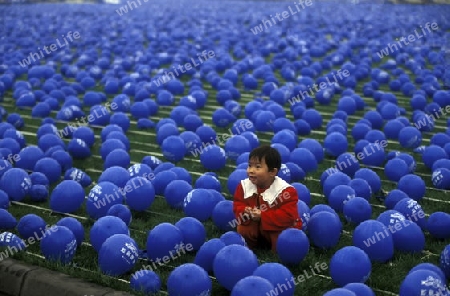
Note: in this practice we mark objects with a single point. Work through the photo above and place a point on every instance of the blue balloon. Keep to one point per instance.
(67, 197)
(206, 133)
(375, 119)
(31, 225)
(264, 121)
(313, 117)
(117, 157)
(252, 285)
(374, 238)
(350, 265)
(16, 183)
(304, 214)
(362, 188)
(232, 237)
(101, 198)
(433, 153)
(118, 255)
(119, 118)
(139, 110)
(241, 126)
(110, 145)
(339, 196)
(292, 246)
(207, 252)
(145, 281)
(324, 229)
(339, 292)
(223, 216)
(252, 139)
(141, 170)
(371, 177)
(393, 197)
(75, 226)
(235, 146)
(285, 153)
(335, 144)
(78, 176)
(395, 169)
(357, 210)
(50, 168)
(7, 221)
(315, 147)
(222, 117)
(175, 193)
(182, 174)
(164, 166)
(199, 282)
(28, 157)
(39, 192)
(207, 181)
(432, 267)
(12, 241)
(173, 148)
(121, 211)
(305, 159)
(109, 129)
(438, 225)
(4, 200)
(229, 272)
(411, 209)
(119, 135)
(410, 137)
(234, 179)
(104, 228)
(193, 231)
(333, 180)
(213, 158)
(117, 175)
(360, 289)
(164, 240)
(444, 261)
(303, 192)
(441, 164)
(373, 154)
(86, 134)
(413, 186)
(192, 122)
(63, 158)
(151, 161)
(78, 149)
(192, 143)
(162, 179)
(423, 280)
(199, 204)
(347, 163)
(59, 244)
(285, 137)
(139, 193)
(278, 275)
(408, 237)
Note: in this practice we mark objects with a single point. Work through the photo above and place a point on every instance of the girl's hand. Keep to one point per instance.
(256, 214)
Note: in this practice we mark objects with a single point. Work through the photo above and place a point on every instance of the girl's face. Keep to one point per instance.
(259, 173)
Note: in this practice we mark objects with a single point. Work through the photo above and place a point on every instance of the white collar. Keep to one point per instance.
(270, 194)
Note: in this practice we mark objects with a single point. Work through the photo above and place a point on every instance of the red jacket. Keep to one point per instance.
(278, 205)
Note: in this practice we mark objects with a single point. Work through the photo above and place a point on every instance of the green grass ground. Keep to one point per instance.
(385, 279)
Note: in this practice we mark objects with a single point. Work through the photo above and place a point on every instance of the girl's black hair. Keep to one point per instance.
(270, 155)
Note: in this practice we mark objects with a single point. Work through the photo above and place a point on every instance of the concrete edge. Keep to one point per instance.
(22, 279)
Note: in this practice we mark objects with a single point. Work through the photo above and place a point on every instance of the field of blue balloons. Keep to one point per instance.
(125, 130)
